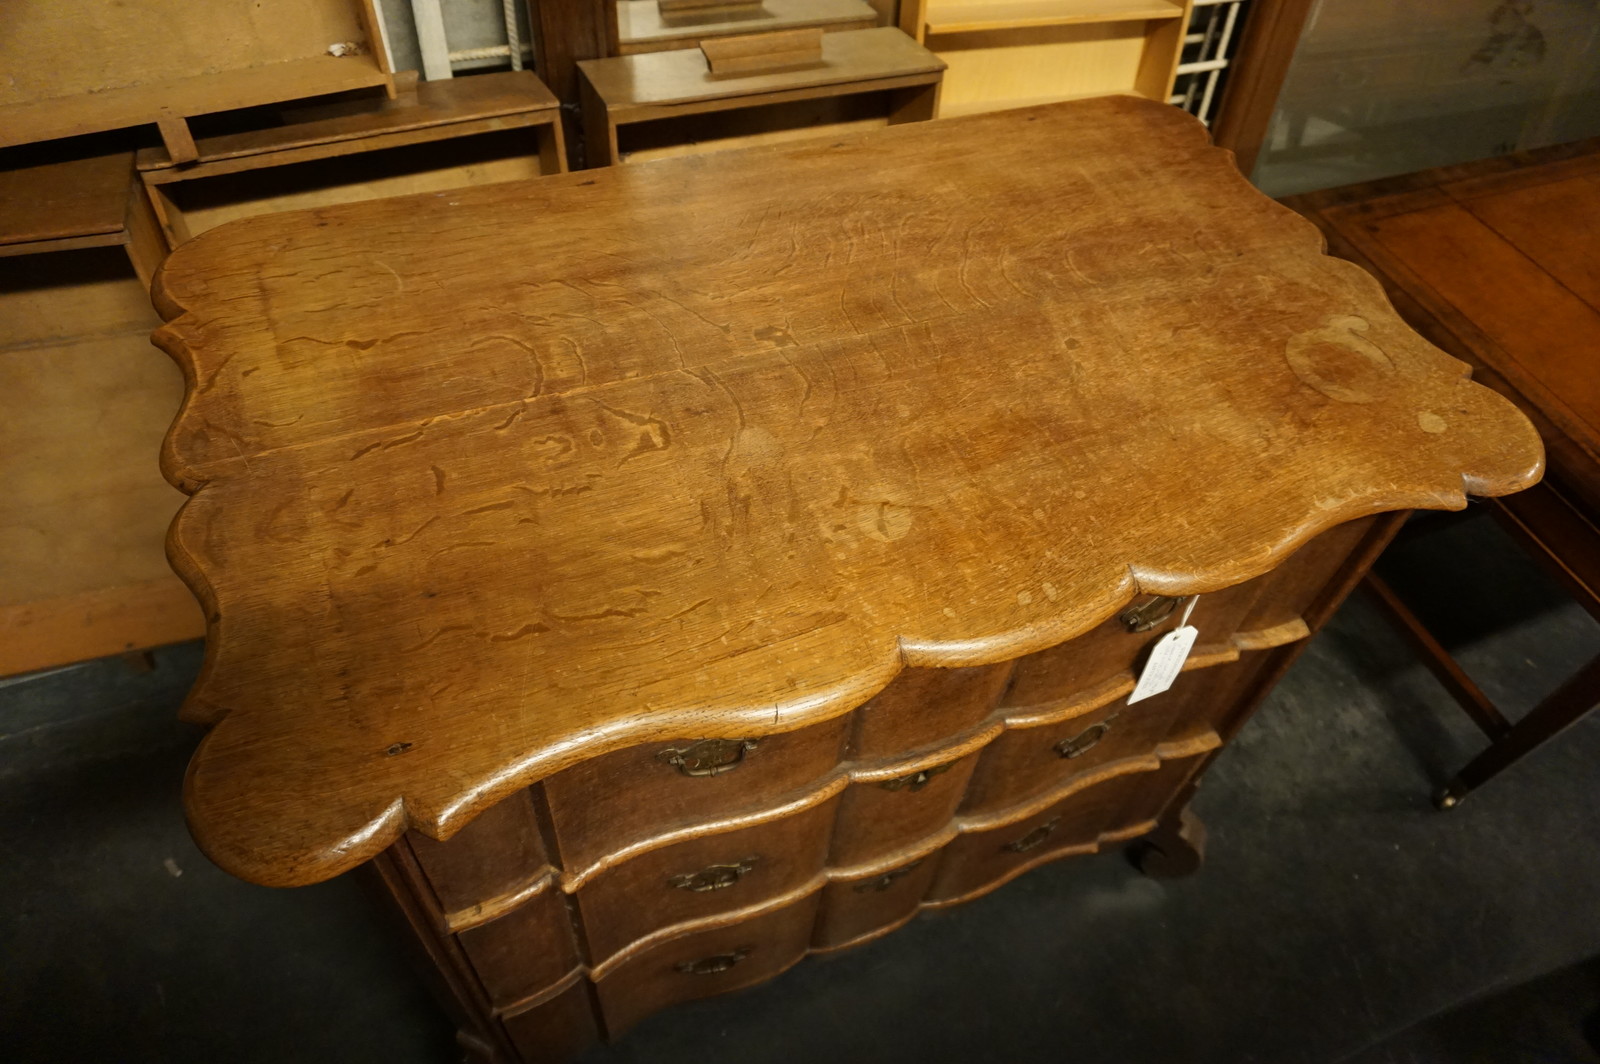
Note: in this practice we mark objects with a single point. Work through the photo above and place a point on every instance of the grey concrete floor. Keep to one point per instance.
(1339, 916)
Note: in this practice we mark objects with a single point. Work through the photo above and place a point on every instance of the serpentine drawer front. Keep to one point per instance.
(654, 575)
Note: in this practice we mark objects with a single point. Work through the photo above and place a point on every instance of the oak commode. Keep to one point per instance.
(661, 572)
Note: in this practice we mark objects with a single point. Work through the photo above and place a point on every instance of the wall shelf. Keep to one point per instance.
(642, 27)
(1016, 14)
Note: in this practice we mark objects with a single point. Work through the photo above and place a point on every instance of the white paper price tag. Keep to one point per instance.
(1166, 658)
(1166, 661)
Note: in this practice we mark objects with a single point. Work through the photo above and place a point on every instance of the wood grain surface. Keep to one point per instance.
(1498, 260)
(489, 482)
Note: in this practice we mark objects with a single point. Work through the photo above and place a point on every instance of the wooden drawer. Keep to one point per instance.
(923, 707)
(1028, 761)
(879, 816)
(702, 877)
(856, 908)
(706, 962)
(983, 859)
(525, 952)
(1110, 651)
(499, 853)
(557, 1028)
(626, 797)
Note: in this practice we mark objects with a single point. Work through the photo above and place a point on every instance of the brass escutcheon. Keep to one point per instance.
(713, 877)
(1084, 741)
(915, 781)
(712, 965)
(708, 757)
(1146, 615)
(885, 881)
(1033, 838)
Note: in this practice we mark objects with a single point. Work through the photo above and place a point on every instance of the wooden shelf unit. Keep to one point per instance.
(979, 17)
(1004, 54)
(85, 400)
(643, 27)
(668, 87)
(450, 134)
(80, 66)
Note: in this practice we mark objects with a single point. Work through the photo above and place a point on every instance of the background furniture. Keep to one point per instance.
(1014, 53)
(86, 402)
(879, 76)
(651, 26)
(693, 604)
(87, 399)
(1498, 262)
(442, 135)
(80, 66)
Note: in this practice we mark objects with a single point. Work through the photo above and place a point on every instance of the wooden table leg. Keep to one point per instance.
(1555, 714)
(599, 131)
(1438, 660)
(1177, 847)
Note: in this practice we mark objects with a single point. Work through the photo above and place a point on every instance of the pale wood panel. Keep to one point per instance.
(641, 27)
(93, 624)
(85, 505)
(973, 15)
(66, 47)
(1017, 68)
(81, 66)
(84, 403)
(66, 297)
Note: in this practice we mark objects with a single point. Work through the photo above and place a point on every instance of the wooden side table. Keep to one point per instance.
(657, 574)
(1498, 262)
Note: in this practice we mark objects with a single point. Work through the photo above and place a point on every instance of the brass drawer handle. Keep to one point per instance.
(712, 965)
(1084, 741)
(1146, 615)
(713, 877)
(1032, 839)
(708, 757)
(916, 780)
(885, 881)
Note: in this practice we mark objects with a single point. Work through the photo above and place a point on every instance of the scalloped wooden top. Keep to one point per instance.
(491, 481)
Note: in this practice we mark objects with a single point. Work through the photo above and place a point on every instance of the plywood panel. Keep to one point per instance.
(86, 400)
(1015, 68)
(68, 47)
(78, 66)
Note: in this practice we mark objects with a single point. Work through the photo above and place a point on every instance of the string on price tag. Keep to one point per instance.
(1166, 658)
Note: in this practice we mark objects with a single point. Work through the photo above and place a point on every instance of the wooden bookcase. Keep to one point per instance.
(85, 401)
(1014, 53)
